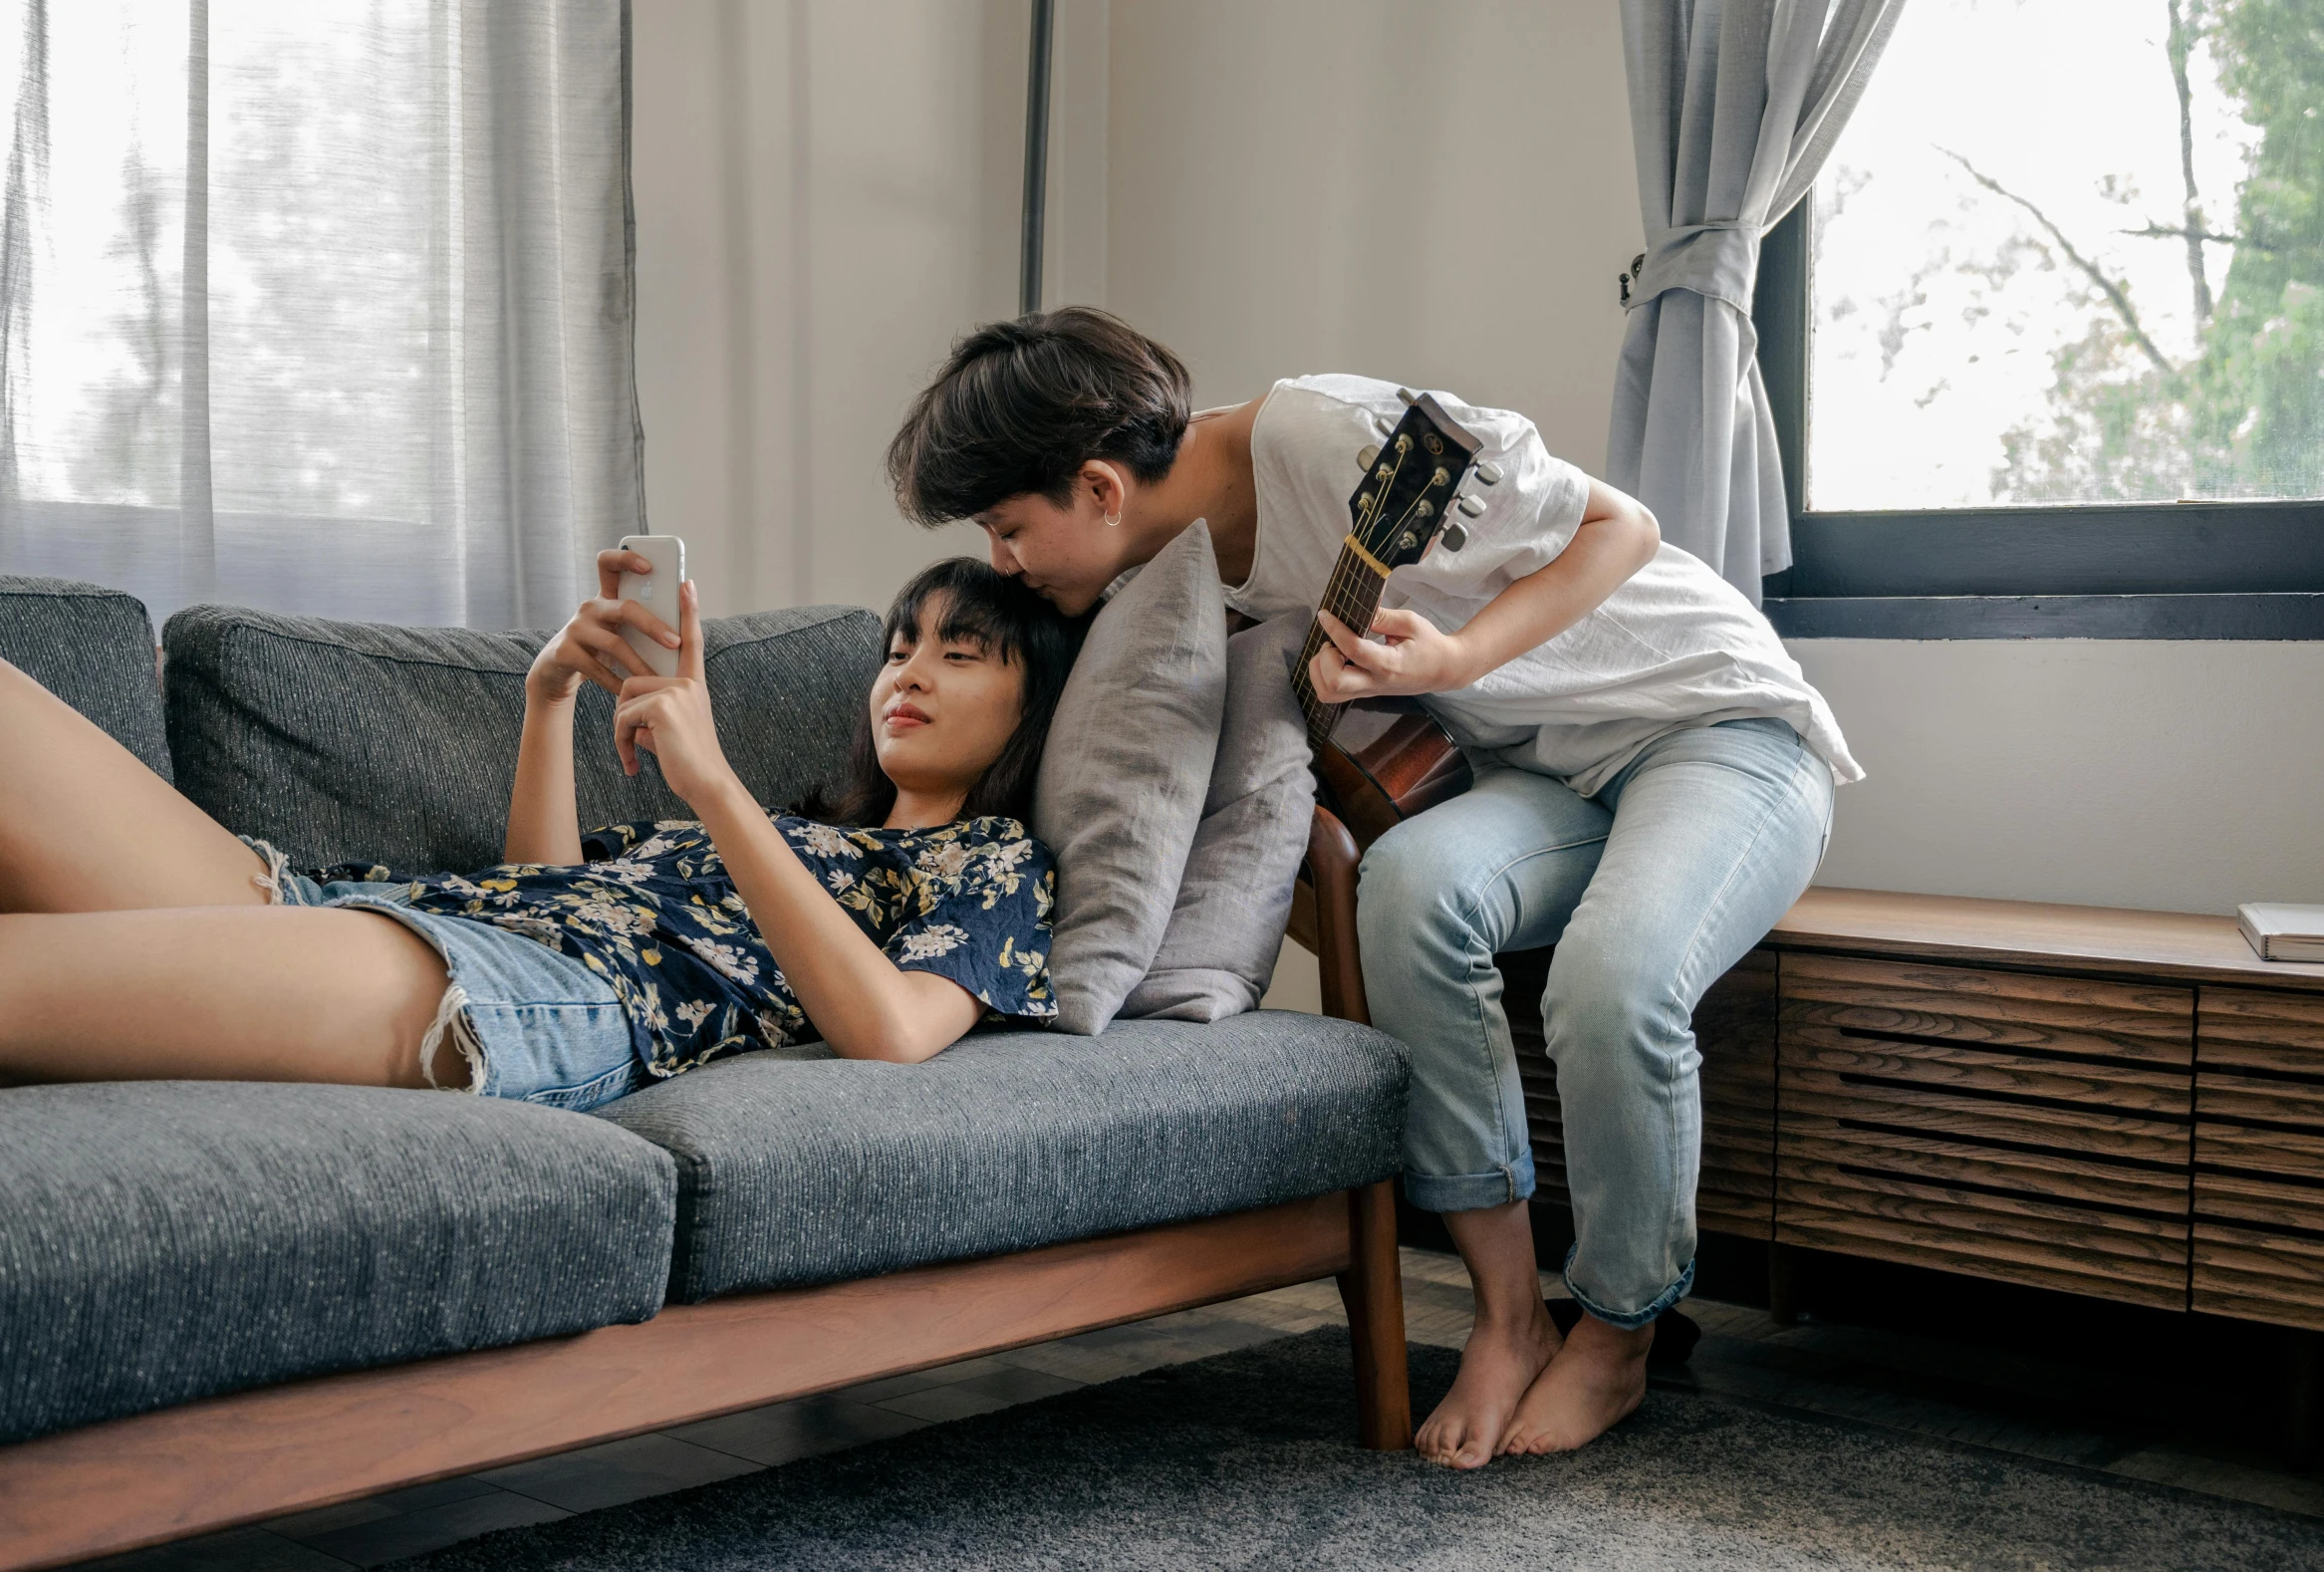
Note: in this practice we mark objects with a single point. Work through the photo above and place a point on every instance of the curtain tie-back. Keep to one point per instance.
(1718, 261)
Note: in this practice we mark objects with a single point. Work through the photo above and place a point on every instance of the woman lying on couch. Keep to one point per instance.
(143, 940)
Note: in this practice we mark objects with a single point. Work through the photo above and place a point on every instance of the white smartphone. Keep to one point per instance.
(658, 593)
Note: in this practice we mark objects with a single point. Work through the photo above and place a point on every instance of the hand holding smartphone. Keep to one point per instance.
(658, 591)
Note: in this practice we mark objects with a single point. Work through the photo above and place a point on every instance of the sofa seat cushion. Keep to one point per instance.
(794, 1170)
(167, 1240)
(93, 649)
(355, 742)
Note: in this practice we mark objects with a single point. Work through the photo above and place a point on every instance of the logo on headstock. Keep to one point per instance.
(1400, 507)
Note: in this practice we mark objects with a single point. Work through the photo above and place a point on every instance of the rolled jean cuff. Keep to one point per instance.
(1471, 1191)
(1628, 1321)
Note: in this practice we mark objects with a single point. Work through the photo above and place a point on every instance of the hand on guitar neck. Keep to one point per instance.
(1412, 655)
(1397, 760)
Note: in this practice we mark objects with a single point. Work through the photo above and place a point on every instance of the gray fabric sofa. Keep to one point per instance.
(175, 1241)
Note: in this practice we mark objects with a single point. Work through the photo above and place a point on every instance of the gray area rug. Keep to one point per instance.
(1246, 1460)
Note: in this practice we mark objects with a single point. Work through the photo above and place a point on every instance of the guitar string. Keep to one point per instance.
(1355, 607)
(1352, 594)
(1338, 598)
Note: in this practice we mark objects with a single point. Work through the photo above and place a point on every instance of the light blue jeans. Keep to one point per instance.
(1650, 891)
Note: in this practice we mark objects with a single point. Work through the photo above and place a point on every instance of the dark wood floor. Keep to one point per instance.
(2038, 1376)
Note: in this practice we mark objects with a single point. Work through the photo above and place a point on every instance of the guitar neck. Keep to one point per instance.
(1398, 511)
(1352, 594)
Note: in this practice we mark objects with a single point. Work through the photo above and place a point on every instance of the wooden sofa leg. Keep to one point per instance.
(1373, 1289)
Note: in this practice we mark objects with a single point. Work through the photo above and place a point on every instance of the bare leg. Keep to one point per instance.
(1595, 1382)
(86, 827)
(269, 994)
(1511, 1343)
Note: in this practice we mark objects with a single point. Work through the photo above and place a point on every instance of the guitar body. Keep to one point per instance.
(1387, 760)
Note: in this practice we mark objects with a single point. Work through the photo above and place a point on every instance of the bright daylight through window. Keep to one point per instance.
(292, 389)
(2072, 251)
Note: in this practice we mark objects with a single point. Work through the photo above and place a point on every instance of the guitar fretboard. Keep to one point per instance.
(1398, 511)
(1352, 594)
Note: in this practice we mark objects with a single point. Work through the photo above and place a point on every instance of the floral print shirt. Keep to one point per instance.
(653, 911)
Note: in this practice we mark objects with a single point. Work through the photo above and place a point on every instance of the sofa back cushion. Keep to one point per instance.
(1123, 776)
(1219, 952)
(357, 743)
(93, 649)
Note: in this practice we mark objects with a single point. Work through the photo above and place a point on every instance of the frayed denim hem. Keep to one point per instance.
(1472, 1192)
(270, 883)
(1628, 1322)
(452, 1012)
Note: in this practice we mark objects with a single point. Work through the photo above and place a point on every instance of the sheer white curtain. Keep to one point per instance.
(317, 305)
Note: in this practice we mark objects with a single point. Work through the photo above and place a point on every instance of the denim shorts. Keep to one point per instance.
(532, 1023)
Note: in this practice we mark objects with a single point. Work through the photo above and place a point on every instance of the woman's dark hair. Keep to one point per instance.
(1021, 405)
(1006, 620)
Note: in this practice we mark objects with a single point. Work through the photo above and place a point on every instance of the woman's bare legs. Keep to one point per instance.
(86, 827)
(269, 994)
(138, 942)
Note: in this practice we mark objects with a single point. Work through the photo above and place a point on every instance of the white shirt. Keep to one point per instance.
(1675, 646)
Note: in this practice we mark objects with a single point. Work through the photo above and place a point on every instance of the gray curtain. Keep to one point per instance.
(1733, 105)
(316, 306)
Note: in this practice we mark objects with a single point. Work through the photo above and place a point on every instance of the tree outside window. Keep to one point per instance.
(2072, 251)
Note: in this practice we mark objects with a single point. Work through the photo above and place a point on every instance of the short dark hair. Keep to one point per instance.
(998, 614)
(1021, 405)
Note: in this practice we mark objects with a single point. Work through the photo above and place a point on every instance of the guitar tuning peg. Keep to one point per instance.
(1380, 424)
(1365, 457)
(1472, 506)
(1488, 474)
(1406, 393)
(1455, 536)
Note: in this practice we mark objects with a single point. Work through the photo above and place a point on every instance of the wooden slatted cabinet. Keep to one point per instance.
(2123, 1104)
(2117, 1103)
(2028, 1128)
(2259, 1156)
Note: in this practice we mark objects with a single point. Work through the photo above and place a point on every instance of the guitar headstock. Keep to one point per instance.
(1410, 484)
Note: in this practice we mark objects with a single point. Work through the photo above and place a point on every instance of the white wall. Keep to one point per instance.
(1439, 194)
(1218, 174)
(827, 195)
(2176, 776)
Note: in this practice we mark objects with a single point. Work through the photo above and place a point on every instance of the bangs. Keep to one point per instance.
(979, 607)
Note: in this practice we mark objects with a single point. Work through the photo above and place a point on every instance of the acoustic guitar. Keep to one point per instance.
(1379, 761)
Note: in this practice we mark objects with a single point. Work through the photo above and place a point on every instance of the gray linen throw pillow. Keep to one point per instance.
(1123, 777)
(1219, 951)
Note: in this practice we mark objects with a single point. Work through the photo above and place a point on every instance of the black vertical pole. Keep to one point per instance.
(1036, 155)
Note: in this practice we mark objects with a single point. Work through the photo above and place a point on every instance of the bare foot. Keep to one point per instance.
(1595, 1382)
(1502, 1361)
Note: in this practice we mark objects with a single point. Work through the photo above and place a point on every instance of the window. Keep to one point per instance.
(2050, 331)
(315, 308)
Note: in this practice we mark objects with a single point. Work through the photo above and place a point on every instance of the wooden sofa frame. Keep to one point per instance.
(252, 1456)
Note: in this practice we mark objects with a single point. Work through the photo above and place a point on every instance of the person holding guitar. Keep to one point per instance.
(1653, 777)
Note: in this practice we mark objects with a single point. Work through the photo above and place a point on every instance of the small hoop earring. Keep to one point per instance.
(1114, 521)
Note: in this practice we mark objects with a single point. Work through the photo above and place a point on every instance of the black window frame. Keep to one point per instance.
(2171, 570)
